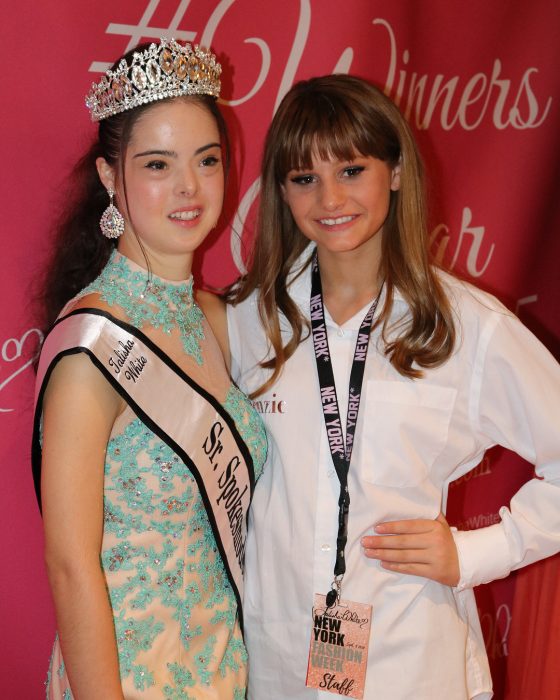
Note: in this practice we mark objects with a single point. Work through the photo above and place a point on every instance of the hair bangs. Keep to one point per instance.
(329, 128)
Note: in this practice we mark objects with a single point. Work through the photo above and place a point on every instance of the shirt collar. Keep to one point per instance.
(299, 286)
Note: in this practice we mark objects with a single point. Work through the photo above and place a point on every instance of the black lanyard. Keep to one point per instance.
(341, 451)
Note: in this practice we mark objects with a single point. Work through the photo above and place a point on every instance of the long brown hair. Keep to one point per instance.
(337, 116)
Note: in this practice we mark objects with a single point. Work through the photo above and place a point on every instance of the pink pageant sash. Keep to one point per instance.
(185, 416)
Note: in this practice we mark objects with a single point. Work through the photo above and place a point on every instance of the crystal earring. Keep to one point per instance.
(112, 221)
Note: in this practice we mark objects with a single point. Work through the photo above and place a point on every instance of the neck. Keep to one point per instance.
(168, 266)
(350, 280)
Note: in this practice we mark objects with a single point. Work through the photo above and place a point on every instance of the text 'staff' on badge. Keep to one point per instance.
(339, 647)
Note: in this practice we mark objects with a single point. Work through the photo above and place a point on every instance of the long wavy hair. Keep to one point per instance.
(335, 117)
(80, 251)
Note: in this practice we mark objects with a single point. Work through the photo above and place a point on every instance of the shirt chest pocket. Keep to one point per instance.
(404, 429)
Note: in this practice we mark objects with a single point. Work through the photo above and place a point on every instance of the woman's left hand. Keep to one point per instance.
(417, 547)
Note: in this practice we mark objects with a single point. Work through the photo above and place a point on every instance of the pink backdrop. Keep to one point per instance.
(479, 82)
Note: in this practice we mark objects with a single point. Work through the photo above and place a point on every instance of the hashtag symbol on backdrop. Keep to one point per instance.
(143, 29)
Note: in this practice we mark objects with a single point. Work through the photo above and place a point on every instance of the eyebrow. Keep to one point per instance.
(207, 147)
(173, 154)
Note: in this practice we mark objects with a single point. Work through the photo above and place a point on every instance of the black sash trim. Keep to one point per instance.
(36, 445)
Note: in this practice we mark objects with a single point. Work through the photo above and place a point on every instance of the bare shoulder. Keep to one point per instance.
(76, 381)
(214, 308)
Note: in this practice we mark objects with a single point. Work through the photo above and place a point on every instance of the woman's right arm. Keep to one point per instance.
(79, 410)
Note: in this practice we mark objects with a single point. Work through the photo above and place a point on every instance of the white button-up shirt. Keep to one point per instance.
(413, 437)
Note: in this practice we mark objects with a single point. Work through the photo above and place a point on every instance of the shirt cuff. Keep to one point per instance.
(484, 555)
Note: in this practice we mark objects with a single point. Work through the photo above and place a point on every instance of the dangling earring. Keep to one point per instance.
(112, 221)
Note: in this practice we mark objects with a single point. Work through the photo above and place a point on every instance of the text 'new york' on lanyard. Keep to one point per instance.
(341, 454)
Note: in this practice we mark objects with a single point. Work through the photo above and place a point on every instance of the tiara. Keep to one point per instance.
(163, 70)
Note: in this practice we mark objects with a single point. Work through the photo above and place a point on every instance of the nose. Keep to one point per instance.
(332, 194)
(187, 182)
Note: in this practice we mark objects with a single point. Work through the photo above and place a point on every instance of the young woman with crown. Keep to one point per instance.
(145, 454)
(429, 373)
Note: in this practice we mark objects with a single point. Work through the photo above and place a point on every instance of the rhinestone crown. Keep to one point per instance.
(163, 70)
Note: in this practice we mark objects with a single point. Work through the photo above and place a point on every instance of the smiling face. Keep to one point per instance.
(172, 189)
(342, 205)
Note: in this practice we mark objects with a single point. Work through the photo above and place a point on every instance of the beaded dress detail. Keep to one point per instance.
(147, 299)
(175, 612)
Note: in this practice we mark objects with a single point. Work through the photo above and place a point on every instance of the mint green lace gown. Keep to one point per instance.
(175, 613)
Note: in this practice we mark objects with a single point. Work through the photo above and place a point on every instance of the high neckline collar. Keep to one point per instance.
(117, 258)
(146, 298)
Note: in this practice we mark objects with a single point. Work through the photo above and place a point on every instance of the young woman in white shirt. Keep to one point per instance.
(449, 373)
